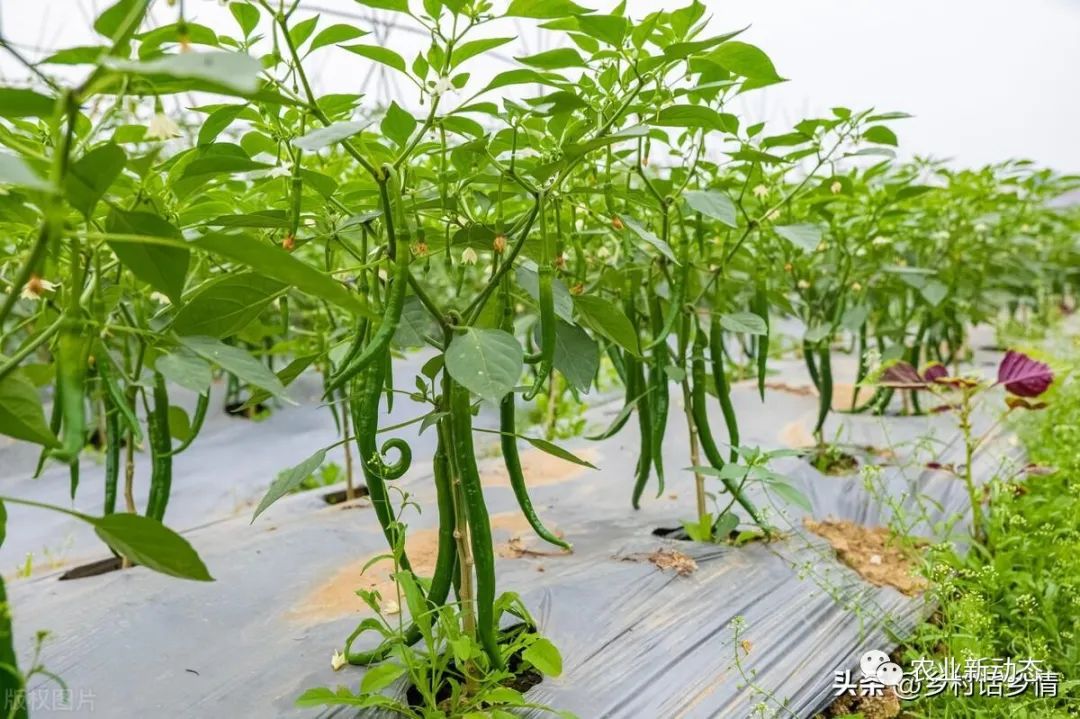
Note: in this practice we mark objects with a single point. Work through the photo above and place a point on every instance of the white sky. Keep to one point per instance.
(986, 79)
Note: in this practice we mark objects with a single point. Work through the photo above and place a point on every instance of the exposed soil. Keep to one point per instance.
(873, 553)
(799, 390)
(93, 569)
(540, 468)
(665, 559)
(885, 706)
(339, 496)
(796, 435)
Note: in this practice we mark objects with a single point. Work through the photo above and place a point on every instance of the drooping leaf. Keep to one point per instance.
(545, 9)
(325, 136)
(21, 415)
(695, 116)
(543, 655)
(556, 451)
(91, 175)
(21, 102)
(712, 203)
(288, 481)
(226, 306)
(163, 266)
(238, 361)
(576, 355)
(488, 363)
(638, 229)
(745, 322)
(608, 319)
(229, 70)
(186, 370)
(747, 60)
(397, 124)
(148, 542)
(805, 237)
(1024, 376)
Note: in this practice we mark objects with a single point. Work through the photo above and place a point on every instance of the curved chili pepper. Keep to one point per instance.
(157, 426)
(196, 423)
(644, 413)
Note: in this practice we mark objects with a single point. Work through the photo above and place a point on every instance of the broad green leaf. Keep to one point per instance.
(221, 165)
(488, 363)
(520, 76)
(231, 70)
(335, 34)
(610, 29)
(162, 266)
(607, 319)
(247, 16)
(329, 135)
(120, 15)
(217, 121)
(90, 177)
(934, 291)
(288, 481)
(695, 116)
(225, 306)
(415, 324)
(179, 423)
(745, 322)
(286, 374)
(545, 9)
(630, 133)
(186, 370)
(20, 102)
(880, 135)
(397, 124)
(792, 495)
(150, 543)
(272, 261)
(21, 415)
(714, 204)
(556, 59)
(649, 237)
(394, 5)
(747, 60)
(14, 171)
(804, 236)
(576, 355)
(301, 31)
(380, 676)
(543, 655)
(238, 361)
(383, 55)
(475, 47)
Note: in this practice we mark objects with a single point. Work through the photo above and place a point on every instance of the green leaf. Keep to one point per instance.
(247, 16)
(415, 324)
(556, 59)
(804, 236)
(745, 322)
(162, 266)
(576, 355)
(186, 370)
(519, 76)
(695, 116)
(288, 481)
(394, 5)
(225, 306)
(229, 70)
(881, 135)
(543, 655)
(488, 363)
(14, 171)
(272, 261)
(398, 124)
(301, 31)
(335, 34)
(712, 203)
(607, 319)
(649, 237)
(747, 60)
(380, 676)
(179, 423)
(556, 451)
(792, 495)
(610, 29)
(20, 102)
(112, 21)
(630, 133)
(529, 280)
(475, 47)
(934, 291)
(286, 374)
(150, 543)
(382, 55)
(91, 176)
(217, 121)
(237, 361)
(221, 165)
(329, 135)
(21, 415)
(545, 9)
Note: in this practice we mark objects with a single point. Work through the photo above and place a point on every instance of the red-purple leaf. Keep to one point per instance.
(1023, 376)
(935, 372)
(902, 376)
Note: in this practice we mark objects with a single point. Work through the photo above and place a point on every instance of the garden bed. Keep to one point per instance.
(637, 639)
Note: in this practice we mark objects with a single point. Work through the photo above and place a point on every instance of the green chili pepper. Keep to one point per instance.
(658, 386)
(113, 436)
(479, 523)
(825, 389)
(701, 422)
(811, 364)
(115, 393)
(157, 426)
(546, 302)
(12, 686)
(760, 307)
(723, 389)
(644, 413)
(72, 351)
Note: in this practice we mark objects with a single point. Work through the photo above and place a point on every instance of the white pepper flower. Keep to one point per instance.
(162, 127)
(761, 191)
(35, 288)
(468, 256)
(338, 661)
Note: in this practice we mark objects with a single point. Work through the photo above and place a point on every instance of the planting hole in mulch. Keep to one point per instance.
(522, 681)
(93, 569)
(339, 496)
(874, 553)
(245, 411)
(735, 536)
(832, 461)
(885, 706)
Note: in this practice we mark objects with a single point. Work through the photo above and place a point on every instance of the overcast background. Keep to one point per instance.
(987, 80)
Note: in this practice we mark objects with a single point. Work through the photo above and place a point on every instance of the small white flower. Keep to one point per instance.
(468, 256)
(881, 241)
(875, 559)
(390, 607)
(338, 660)
(836, 187)
(443, 86)
(162, 127)
(35, 288)
(283, 170)
(761, 191)
(160, 298)
(803, 285)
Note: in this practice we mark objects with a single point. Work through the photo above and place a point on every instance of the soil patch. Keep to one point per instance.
(873, 553)
(541, 468)
(885, 706)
